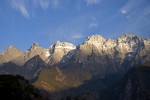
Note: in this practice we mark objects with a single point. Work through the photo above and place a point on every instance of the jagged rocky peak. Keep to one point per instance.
(11, 49)
(34, 46)
(146, 41)
(64, 45)
(35, 50)
(9, 54)
(130, 37)
(61, 47)
(47, 52)
(94, 39)
(93, 43)
(59, 50)
(109, 44)
(129, 42)
(11, 46)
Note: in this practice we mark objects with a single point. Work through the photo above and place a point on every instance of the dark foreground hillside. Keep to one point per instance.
(17, 88)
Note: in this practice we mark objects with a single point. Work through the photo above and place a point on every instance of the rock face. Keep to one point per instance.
(59, 51)
(133, 86)
(98, 61)
(32, 52)
(27, 63)
(98, 54)
(9, 54)
(32, 67)
(96, 57)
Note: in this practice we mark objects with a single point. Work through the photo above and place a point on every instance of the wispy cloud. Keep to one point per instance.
(44, 4)
(55, 3)
(75, 30)
(93, 25)
(91, 2)
(138, 21)
(129, 6)
(20, 5)
(77, 35)
(24, 6)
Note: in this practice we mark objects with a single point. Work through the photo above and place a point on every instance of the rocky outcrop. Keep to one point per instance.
(9, 54)
(34, 50)
(98, 54)
(59, 51)
(32, 67)
(133, 86)
(95, 57)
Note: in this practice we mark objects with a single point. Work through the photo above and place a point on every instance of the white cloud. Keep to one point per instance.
(20, 5)
(44, 4)
(55, 3)
(91, 2)
(24, 6)
(129, 6)
(123, 11)
(93, 25)
(77, 36)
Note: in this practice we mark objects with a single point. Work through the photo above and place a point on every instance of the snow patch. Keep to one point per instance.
(65, 47)
(58, 47)
(47, 53)
(129, 55)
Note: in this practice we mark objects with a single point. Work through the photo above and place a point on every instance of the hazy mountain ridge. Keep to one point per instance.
(121, 48)
(95, 51)
(96, 59)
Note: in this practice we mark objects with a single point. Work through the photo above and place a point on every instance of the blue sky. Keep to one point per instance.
(24, 22)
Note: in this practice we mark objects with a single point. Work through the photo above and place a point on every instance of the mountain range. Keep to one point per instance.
(96, 64)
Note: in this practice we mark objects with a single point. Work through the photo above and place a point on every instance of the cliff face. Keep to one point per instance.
(106, 56)
(9, 54)
(59, 51)
(97, 58)
(34, 50)
(133, 86)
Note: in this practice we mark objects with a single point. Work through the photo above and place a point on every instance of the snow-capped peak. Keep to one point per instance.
(64, 45)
